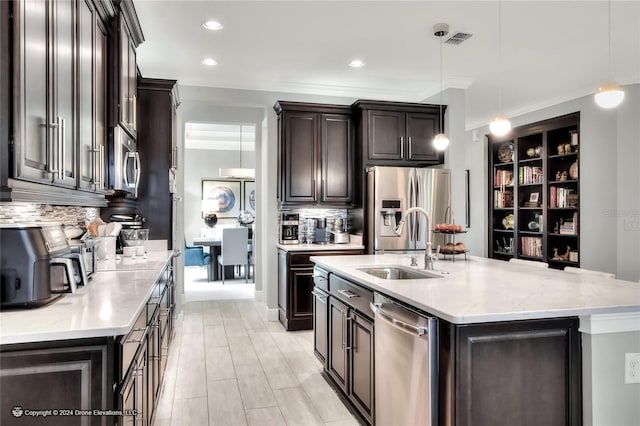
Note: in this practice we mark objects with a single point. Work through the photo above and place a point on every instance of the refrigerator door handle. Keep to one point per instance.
(412, 203)
(420, 203)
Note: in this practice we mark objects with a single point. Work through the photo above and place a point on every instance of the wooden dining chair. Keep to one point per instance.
(234, 249)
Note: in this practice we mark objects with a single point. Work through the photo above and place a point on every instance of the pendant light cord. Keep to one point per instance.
(441, 89)
(500, 56)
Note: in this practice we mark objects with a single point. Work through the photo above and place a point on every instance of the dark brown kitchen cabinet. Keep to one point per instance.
(396, 134)
(127, 83)
(316, 153)
(520, 372)
(295, 286)
(351, 327)
(36, 376)
(157, 105)
(45, 127)
(92, 99)
(320, 324)
(58, 109)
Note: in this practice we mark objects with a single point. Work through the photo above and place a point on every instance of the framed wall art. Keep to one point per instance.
(249, 191)
(226, 192)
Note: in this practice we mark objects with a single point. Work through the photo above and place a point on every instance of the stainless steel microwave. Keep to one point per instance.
(124, 164)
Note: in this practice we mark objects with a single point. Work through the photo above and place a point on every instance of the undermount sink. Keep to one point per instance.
(398, 273)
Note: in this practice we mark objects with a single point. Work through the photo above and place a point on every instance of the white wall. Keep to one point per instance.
(609, 177)
(203, 103)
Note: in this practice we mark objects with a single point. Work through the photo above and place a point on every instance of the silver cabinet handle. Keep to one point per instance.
(51, 159)
(101, 167)
(348, 294)
(404, 326)
(401, 146)
(410, 149)
(63, 143)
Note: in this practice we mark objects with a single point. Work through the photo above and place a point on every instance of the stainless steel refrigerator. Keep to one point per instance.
(391, 191)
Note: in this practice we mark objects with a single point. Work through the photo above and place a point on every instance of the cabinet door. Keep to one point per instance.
(338, 335)
(337, 159)
(361, 364)
(320, 325)
(34, 133)
(386, 135)
(100, 103)
(61, 378)
(133, 89)
(421, 129)
(62, 100)
(532, 368)
(301, 297)
(300, 157)
(86, 90)
(123, 73)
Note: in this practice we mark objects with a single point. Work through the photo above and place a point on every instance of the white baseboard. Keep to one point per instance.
(272, 313)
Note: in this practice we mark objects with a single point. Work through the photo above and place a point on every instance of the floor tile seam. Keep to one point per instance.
(244, 408)
(275, 406)
(310, 404)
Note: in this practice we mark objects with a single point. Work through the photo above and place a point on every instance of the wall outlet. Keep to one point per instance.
(632, 368)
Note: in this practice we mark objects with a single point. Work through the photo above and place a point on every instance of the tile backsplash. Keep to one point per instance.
(28, 212)
(329, 214)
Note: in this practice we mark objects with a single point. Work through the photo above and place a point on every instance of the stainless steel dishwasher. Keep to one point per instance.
(406, 374)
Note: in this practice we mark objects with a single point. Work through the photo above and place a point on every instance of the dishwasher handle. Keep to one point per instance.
(404, 326)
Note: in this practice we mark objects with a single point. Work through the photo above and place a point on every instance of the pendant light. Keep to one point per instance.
(238, 172)
(441, 141)
(611, 94)
(500, 125)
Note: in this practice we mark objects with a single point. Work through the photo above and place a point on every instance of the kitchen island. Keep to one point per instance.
(509, 347)
(103, 347)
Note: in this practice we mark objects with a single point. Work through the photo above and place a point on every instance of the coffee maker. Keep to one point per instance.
(37, 264)
(289, 228)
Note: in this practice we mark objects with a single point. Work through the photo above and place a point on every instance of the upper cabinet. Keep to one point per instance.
(45, 122)
(397, 134)
(124, 70)
(315, 151)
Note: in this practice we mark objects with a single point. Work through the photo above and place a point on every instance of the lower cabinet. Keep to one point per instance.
(320, 323)
(295, 286)
(350, 343)
(519, 372)
(105, 373)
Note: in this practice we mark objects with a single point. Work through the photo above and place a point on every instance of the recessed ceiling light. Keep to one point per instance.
(209, 61)
(356, 63)
(212, 25)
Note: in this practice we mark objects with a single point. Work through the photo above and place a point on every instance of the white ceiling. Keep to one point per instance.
(551, 50)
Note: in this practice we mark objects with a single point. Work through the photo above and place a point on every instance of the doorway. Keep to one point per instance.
(219, 192)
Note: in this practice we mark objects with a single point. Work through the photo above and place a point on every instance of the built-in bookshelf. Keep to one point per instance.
(534, 192)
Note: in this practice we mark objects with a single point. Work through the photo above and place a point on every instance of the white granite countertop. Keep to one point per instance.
(107, 306)
(489, 290)
(319, 247)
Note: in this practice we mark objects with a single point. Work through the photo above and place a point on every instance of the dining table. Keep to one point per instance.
(215, 249)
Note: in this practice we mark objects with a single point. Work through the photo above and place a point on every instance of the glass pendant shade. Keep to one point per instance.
(440, 142)
(609, 96)
(500, 126)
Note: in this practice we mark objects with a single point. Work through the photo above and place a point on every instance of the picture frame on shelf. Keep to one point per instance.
(249, 196)
(226, 192)
(534, 197)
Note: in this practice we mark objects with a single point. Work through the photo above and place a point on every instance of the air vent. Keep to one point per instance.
(458, 38)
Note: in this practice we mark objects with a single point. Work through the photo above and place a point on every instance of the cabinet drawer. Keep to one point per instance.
(321, 279)
(351, 294)
(130, 343)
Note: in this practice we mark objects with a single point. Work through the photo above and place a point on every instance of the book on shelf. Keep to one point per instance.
(558, 197)
(531, 246)
(529, 175)
(502, 199)
(503, 178)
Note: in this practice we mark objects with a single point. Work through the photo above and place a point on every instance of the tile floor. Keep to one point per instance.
(228, 366)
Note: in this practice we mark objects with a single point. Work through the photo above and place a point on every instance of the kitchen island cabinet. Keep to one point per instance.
(104, 347)
(508, 353)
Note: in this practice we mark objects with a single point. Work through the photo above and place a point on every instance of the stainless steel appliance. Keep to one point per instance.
(391, 191)
(406, 375)
(36, 264)
(321, 232)
(289, 228)
(87, 250)
(124, 162)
